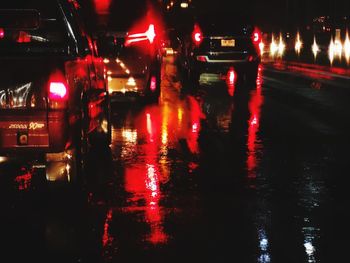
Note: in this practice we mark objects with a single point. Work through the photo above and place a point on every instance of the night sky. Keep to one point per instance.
(281, 12)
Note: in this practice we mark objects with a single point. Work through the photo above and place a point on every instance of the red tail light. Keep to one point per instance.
(23, 37)
(149, 35)
(2, 33)
(256, 36)
(58, 91)
(197, 35)
(231, 76)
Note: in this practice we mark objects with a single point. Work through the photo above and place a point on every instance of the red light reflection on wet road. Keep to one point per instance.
(255, 103)
(24, 180)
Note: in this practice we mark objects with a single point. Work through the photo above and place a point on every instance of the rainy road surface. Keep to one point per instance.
(228, 173)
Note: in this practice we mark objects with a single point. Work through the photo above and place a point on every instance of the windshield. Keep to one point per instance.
(31, 25)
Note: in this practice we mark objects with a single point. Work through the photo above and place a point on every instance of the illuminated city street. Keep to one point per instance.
(253, 176)
(174, 131)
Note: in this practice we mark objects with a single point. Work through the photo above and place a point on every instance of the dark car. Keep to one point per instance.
(220, 45)
(53, 94)
(133, 67)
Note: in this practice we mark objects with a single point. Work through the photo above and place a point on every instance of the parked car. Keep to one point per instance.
(54, 102)
(134, 66)
(220, 45)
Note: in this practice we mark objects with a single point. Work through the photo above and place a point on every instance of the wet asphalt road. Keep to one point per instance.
(244, 173)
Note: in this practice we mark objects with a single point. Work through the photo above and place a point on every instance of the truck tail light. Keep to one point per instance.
(58, 91)
(149, 35)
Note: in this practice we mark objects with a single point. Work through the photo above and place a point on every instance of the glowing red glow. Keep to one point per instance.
(107, 239)
(255, 104)
(231, 82)
(202, 58)
(23, 37)
(2, 33)
(102, 6)
(231, 76)
(149, 35)
(153, 85)
(24, 180)
(58, 90)
(256, 36)
(143, 180)
(197, 34)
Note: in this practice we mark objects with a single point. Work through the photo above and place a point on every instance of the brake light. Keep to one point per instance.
(149, 35)
(231, 76)
(23, 37)
(256, 36)
(197, 35)
(202, 58)
(2, 33)
(58, 91)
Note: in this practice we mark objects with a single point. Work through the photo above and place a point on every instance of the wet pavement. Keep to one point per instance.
(228, 173)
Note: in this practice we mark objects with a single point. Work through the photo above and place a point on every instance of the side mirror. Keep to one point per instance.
(106, 46)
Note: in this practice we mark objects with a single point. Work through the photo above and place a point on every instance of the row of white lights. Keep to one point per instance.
(336, 49)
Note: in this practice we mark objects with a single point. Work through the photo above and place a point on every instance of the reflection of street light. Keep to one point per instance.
(315, 48)
(298, 44)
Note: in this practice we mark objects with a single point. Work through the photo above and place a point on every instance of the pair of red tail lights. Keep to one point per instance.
(197, 36)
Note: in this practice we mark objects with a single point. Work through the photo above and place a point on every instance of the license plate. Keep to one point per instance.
(228, 42)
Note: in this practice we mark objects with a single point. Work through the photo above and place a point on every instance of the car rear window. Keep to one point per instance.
(224, 22)
(31, 25)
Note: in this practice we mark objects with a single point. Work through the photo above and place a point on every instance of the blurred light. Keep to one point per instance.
(202, 58)
(331, 51)
(347, 47)
(131, 82)
(261, 47)
(153, 85)
(151, 33)
(231, 76)
(3, 159)
(106, 61)
(298, 44)
(197, 34)
(102, 6)
(57, 90)
(281, 46)
(273, 47)
(315, 49)
(2, 33)
(129, 135)
(184, 5)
